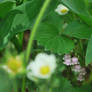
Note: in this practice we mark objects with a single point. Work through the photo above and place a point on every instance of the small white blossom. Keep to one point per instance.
(83, 71)
(13, 65)
(61, 9)
(42, 67)
(80, 78)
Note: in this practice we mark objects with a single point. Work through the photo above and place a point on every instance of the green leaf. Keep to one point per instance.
(51, 7)
(6, 1)
(80, 8)
(90, 1)
(83, 88)
(48, 36)
(21, 22)
(5, 84)
(33, 7)
(5, 7)
(5, 26)
(89, 52)
(66, 86)
(26, 20)
(60, 84)
(78, 30)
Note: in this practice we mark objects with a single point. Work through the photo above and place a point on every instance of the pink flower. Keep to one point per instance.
(83, 71)
(75, 61)
(67, 62)
(67, 56)
(81, 74)
(70, 61)
(80, 78)
(76, 68)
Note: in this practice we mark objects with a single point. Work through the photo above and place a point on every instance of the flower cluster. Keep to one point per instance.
(73, 61)
(68, 60)
(81, 72)
(42, 67)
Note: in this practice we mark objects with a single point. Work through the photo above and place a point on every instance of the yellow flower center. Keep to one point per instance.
(44, 70)
(64, 10)
(14, 64)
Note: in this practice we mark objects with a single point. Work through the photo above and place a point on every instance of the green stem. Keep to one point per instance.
(50, 89)
(23, 85)
(32, 34)
(82, 51)
(15, 88)
(43, 88)
(21, 35)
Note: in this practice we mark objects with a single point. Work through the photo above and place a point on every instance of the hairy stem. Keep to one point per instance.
(32, 35)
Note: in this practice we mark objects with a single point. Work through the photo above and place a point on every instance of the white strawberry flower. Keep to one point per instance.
(13, 65)
(61, 9)
(42, 67)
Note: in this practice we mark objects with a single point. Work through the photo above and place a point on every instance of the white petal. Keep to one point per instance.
(41, 56)
(6, 69)
(33, 68)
